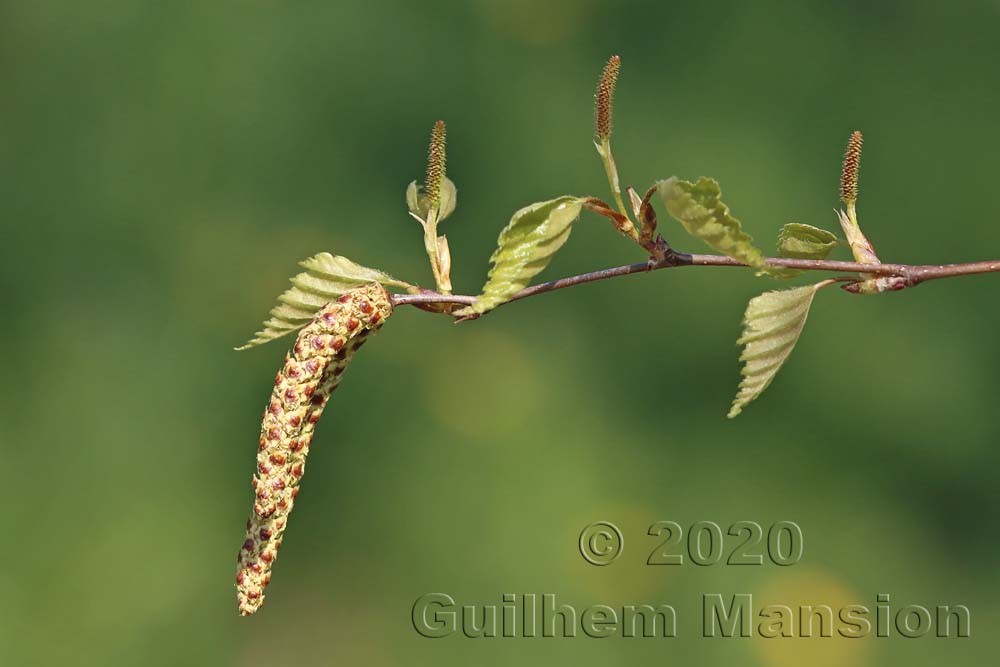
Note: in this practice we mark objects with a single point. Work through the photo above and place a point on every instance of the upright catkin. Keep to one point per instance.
(436, 164)
(852, 165)
(312, 370)
(604, 98)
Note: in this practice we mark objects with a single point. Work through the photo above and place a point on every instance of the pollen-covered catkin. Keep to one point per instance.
(311, 372)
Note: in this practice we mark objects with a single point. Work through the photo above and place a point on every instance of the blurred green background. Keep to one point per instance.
(164, 165)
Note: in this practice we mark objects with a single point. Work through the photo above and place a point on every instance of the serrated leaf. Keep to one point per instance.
(326, 278)
(419, 206)
(699, 208)
(524, 248)
(772, 325)
(801, 241)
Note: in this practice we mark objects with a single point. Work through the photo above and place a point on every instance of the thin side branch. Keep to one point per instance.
(914, 274)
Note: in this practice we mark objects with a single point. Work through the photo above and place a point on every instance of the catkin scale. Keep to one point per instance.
(312, 370)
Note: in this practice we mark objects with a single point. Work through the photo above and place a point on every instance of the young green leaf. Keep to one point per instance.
(698, 207)
(800, 241)
(419, 204)
(326, 278)
(524, 248)
(771, 326)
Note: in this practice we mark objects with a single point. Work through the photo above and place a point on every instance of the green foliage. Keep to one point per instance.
(801, 241)
(326, 277)
(699, 208)
(525, 247)
(772, 323)
(419, 204)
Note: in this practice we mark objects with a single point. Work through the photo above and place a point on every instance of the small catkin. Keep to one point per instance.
(852, 165)
(311, 372)
(436, 164)
(604, 98)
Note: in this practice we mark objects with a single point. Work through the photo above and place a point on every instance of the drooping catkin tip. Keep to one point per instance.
(436, 159)
(604, 98)
(852, 165)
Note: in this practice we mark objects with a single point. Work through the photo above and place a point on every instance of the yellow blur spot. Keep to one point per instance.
(811, 587)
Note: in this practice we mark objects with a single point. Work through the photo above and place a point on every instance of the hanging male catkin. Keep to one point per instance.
(311, 372)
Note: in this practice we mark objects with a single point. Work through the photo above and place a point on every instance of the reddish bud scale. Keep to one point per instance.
(311, 372)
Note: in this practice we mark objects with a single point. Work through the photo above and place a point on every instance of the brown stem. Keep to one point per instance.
(913, 273)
